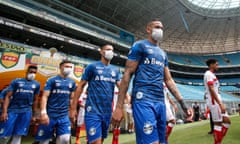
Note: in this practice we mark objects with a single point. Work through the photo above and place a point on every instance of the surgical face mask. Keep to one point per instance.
(157, 34)
(31, 76)
(109, 54)
(67, 71)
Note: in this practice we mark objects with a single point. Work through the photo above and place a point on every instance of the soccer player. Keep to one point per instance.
(19, 102)
(54, 106)
(149, 63)
(219, 114)
(3, 140)
(80, 117)
(101, 77)
(171, 121)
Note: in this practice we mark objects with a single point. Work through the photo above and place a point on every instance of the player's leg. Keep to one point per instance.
(145, 122)
(16, 140)
(80, 121)
(170, 121)
(226, 124)
(45, 132)
(21, 126)
(63, 130)
(217, 120)
(93, 128)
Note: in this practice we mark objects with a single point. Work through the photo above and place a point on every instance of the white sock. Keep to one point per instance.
(16, 140)
(63, 139)
(45, 141)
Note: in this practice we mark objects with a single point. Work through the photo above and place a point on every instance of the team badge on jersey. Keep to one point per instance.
(70, 85)
(33, 86)
(139, 95)
(92, 131)
(148, 128)
(113, 73)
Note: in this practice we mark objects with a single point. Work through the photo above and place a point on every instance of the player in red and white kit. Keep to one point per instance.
(219, 115)
(169, 113)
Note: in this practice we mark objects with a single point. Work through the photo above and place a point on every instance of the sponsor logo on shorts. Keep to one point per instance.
(139, 95)
(92, 131)
(40, 133)
(89, 108)
(1, 131)
(148, 128)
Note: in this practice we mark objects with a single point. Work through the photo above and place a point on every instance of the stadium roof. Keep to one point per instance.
(186, 29)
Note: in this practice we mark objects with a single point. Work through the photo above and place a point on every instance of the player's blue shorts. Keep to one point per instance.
(150, 121)
(60, 126)
(97, 126)
(17, 124)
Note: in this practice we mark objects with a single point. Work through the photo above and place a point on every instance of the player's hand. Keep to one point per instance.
(117, 117)
(4, 117)
(73, 115)
(189, 114)
(222, 107)
(44, 119)
(175, 108)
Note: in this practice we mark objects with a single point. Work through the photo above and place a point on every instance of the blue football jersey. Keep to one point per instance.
(148, 80)
(23, 94)
(2, 96)
(101, 83)
(59, 99)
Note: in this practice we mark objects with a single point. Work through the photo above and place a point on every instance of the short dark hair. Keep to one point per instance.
(32, 67)
(210, 61)
(103, 45)
(152, 20)
(63, 62)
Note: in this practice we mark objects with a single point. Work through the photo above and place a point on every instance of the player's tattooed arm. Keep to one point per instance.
(130, 68)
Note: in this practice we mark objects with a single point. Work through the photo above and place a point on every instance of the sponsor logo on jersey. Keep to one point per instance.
(148, 128)
(9, 59)
(153, 61)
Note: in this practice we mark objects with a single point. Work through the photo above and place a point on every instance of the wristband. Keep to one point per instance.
(43, 111)
(183, 105)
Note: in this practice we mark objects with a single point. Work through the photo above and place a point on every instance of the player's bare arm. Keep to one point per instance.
(214, 95)
(171, 85)
(76, 95)
(35, 107)
(44, 119)
(130, 68)
(5, 106)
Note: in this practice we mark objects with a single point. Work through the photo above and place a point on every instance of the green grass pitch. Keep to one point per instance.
(192, 133)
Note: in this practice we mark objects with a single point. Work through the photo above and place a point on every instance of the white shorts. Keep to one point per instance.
(169, 113)
(80, 118)
(217, 116)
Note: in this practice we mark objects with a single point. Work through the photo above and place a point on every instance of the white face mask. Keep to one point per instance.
(157, 34)
(31, 76)
(109, 54)
(67, 71)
